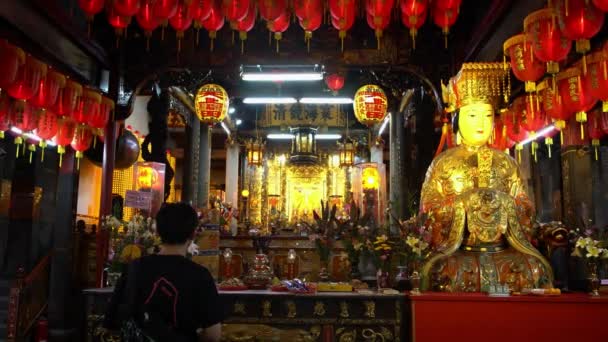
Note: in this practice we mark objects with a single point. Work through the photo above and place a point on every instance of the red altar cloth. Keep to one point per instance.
(478, 317)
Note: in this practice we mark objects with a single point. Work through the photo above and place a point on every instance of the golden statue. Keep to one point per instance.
(479, 213)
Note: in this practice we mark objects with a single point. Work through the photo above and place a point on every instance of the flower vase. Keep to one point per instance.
(382, 279)
(323, 271)
(415, 280)
(402, 279)
(594, 281)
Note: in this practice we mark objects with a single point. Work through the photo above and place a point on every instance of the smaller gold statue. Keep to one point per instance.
(480, 215)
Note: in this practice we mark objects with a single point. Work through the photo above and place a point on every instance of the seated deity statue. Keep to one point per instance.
(480, 217)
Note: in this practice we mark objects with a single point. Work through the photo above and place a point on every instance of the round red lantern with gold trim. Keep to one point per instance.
(370, 104)
(127, 8)
(211, 104)
(525, 66)
(214, 22)
(413, 22)
(548, 43)
(180, 22)
(164, 9)
(379, 8)
(579, 20)
(597, 77)
(48, 90)
(99, 119)
(11, 58)
(445, 18)
(309, 25)
(575, 93)
(118, 22)
(334, 82)
(23, 119)
(147, 20)
(416, 7)
(378, 24)
(81, 142)
(594, 128)
(308, 8)
(247, 24)
(91, 7)
(553, 105)
(64, 136)
(601, 4)
(271, 9)
(235, 10)
(87, 107)
(278, 26)
(28, 79)
(46, 128)
(68, 98)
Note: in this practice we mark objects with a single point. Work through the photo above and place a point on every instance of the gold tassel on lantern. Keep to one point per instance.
(581, 117)
(549, 143)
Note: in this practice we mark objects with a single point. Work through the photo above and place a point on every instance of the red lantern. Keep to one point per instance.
(500, 139)
(553, 105)
(23, 119)
(525, 66)
(46, 128)
(278, 26)
(575, 92)
(200, 9)
(5, 116)
(343, 24)
(579, 20)
(98, 120)
(601, 4)
(214, 22)
(595, 129)
(309, 25)
(68, 98)
(604, 122)
(334, 82)
(48, 91)
(164, 9)
(534, 117)
(597, 77)
(118, 22)
(235, 10)
(246, 25)
(64, 136)
(513, 121)
(28, 79)
(378, 24)
(447, 4)
(91, 7)
(343, 15)
(147, 20)
(416, 7)
(180, 22)
(126, 8)
(81, 142)
(272, 9)
(549, 44)
(379, 8)
(304, 9)
(445, 18)
(413, 22)
(88, 107)
(11, 58)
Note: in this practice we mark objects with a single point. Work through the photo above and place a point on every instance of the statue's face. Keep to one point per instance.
(476, 123)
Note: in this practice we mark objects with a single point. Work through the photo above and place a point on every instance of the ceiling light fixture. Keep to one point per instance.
(239, 121)
(281, 76)
(269, 100)
(387, 119)
(326, 100)
(231, 110)
(286, 136)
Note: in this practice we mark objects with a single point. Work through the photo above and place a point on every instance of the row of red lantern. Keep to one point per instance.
(242, 14)
(45, 100)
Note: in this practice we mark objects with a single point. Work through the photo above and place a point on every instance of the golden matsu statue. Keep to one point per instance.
(480, 215)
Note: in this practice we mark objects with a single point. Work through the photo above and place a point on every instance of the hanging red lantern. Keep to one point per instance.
(378, 24)
(334, 82)
(99, 119)
(147, 20)
(91, 7)
(180, 22)
(553, 105)
(597, 77)
(574, 91)
(46, 128)
(163, 10)
(601, 4)
(370, 105)
(5, 116)
(447, 4)
(416, 7)
(278, 26)
(201, 10)
(445, 18)
(534, 117)
(247, 24)
(379, 8)
(549, 43)
(214, 22)
(343, 15)
(11, 58)
(595, 130)
(23, 119)
(28, 79)
(118, 22)
(81, 142)
(235, 10)
(526, 67)
(604, 122)
(307, 8)
(413, 22)
(309, 25)
(272, 9)
(48, 90)
(579, 20)
(211, 104)
(64, 136)
(68, 98)
(343, 24)
(126, 8)
(88, 107)
(500, 140)
(513, 121)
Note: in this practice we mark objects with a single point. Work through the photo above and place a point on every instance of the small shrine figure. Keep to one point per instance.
(481, 217)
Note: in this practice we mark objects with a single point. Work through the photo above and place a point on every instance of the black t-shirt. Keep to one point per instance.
(179, 291)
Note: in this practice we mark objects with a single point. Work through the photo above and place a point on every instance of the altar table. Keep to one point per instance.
(478, 317)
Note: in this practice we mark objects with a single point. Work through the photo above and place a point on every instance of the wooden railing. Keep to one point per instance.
(28, 297)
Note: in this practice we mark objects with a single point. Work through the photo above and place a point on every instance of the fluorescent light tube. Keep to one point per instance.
(384, 124)
(538, 134)
(328, 136)
(32, 136)
(279, 76)
(269, 100)
(225, 128)
(286, 136)
(16, 130)
(326, 100)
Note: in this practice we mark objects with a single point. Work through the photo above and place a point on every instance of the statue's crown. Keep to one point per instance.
(477, 83)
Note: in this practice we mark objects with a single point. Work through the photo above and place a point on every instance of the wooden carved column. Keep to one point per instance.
(204, 167)
(191, 163)
(397, 173)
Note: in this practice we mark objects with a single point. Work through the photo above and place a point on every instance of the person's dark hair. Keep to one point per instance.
(175, 223)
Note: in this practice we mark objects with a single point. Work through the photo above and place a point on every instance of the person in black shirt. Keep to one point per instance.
(177, 292)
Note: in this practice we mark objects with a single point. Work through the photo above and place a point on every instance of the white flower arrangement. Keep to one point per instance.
(586, 247)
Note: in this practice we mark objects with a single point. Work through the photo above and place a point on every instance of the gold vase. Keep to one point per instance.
(594, 281)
